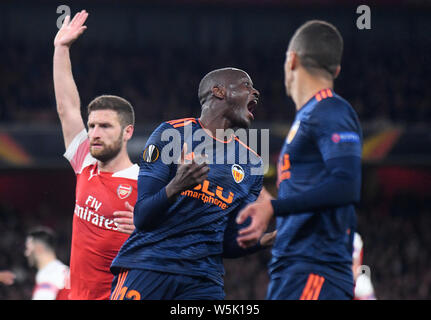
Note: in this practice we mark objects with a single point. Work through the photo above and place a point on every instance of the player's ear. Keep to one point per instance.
(218, 92)
(293, 60)
(289, 62)
(128, 132)
(337, 72)
(38, 248)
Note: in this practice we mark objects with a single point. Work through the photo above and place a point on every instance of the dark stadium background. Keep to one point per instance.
(155, 52)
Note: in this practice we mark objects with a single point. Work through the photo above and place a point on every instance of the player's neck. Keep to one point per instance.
(118, 163)
(45, 259)
(307, 86)
(211, 121)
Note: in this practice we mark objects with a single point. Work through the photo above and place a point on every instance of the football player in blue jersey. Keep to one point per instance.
(185, 213)
(319, 177)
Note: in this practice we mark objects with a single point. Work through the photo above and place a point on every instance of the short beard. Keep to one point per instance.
(110, 152)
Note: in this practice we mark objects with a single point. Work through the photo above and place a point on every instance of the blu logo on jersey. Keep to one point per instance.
(283, 168)
(201, 192)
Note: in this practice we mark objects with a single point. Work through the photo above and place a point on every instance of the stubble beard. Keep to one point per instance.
(108, 152)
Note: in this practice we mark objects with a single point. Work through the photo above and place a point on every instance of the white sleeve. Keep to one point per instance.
(78, 152)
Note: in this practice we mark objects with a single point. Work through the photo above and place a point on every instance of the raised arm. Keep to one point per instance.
(66, 93)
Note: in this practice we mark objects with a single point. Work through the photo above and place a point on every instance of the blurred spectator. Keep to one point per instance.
(52, 278)
(14, 225)
(364, 289)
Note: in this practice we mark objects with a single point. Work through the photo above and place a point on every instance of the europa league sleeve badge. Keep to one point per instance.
(151, 154)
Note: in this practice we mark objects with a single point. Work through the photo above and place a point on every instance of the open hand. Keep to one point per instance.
(71, 30)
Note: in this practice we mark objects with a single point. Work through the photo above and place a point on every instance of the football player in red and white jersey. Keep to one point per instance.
(106, 185)
(364, 289)
(52, 278)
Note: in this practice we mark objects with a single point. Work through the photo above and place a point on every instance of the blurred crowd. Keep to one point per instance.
(397, 247)
(162, 82)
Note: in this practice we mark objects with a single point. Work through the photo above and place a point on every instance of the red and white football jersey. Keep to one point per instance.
(51, 282)
(95, 236)
(364, 289)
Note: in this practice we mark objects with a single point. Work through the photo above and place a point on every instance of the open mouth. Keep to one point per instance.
(251, 106)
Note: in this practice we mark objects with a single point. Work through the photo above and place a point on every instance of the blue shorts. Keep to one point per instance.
(137, 284)
(305, 286)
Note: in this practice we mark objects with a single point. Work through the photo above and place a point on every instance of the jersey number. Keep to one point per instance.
(131, 295)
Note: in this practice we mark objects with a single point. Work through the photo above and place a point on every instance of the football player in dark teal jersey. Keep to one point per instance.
(185, 213)
(319, 177)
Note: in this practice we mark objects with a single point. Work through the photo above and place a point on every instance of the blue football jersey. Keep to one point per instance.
(326, 127)
(190, 240)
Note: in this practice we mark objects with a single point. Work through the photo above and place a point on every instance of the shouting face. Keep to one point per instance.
(241, 100)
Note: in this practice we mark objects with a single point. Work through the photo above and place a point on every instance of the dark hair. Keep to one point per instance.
(214, 78)
(120, 105)
(319, 46)
(44, 235)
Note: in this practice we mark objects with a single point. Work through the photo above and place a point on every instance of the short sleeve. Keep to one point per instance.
(78, 152)
(336, 130)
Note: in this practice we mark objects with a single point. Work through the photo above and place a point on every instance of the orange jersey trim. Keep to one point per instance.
(246, 146)
(208, 133)
(121, 279)
(181, 122)
(323, 94)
